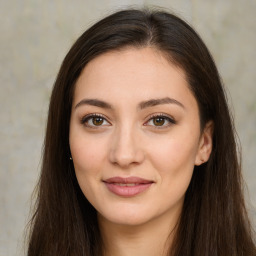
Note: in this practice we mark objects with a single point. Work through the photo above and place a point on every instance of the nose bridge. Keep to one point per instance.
(125, 148)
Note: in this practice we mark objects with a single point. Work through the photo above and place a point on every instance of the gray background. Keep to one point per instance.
(36, 35)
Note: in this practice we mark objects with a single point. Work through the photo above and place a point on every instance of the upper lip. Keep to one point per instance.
(128, 180)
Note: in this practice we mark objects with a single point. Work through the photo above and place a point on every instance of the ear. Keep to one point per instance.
(205, 144)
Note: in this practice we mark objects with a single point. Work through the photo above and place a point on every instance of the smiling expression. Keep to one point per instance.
(135, 136)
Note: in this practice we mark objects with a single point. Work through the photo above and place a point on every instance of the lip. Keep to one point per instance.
(127, 187)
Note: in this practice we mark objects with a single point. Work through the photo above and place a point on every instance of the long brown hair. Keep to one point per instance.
(214, 220)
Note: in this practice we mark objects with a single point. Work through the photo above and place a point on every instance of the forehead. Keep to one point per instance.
(132, 75)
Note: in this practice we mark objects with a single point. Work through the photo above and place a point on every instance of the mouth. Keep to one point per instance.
(127, 187)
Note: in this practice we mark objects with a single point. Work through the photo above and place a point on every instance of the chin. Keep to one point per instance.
(126, 218)
(128, 221)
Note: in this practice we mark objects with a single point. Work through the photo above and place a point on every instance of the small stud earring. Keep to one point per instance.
(70, 158)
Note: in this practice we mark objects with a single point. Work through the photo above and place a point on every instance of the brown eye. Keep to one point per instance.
(93, 121)
(159, 121)
(97, 121)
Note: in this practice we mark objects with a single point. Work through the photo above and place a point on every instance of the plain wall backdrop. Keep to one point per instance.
(36, 35)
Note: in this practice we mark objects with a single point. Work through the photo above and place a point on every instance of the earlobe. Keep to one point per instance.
(205, 144)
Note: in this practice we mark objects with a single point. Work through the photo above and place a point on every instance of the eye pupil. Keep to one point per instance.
(159, 121)
(97, 120)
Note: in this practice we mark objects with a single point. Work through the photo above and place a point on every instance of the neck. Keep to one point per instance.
(152, 239)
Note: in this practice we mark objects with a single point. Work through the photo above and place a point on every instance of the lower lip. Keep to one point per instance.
(127, 191)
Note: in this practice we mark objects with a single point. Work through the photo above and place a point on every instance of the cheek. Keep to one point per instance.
(174, 162)
(174, 154)
(87, 154)
(87, 159)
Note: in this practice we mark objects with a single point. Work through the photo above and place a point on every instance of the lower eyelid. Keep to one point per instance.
(86, 118)
(169, 119)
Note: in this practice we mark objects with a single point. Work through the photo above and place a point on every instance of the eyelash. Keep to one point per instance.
(169, 119)
(87, 118)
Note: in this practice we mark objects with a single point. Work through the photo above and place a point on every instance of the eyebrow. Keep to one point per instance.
(155, 102)
(94, 102)
(142, 105)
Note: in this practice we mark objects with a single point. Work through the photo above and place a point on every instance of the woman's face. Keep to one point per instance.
(135, 136)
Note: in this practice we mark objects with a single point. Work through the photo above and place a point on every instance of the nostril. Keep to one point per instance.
(126, 158)
(125, 149)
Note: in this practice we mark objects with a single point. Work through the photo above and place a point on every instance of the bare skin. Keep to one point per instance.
(133, 115)
(138, 240)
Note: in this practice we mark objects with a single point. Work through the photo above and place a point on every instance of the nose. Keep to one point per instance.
(125, 148)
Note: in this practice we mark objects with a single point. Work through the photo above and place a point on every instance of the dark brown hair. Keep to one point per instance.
(214, 220)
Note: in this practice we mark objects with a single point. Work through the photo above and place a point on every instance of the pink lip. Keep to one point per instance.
(114, 185)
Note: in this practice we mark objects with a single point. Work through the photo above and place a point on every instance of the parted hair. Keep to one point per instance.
(214, 220)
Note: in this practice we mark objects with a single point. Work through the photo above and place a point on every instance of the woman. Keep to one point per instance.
(140, 156)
